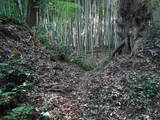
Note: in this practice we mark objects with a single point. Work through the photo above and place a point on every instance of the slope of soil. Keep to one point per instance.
(54, 80)
(125, 89)
(107, 91)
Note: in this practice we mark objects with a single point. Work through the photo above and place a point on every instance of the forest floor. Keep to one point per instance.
(127, 88)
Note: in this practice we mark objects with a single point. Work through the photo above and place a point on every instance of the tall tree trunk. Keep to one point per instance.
(133, 19)
(32, 13)
(18, 7)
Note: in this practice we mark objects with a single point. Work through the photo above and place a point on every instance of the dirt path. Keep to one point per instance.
(58, 93)
(66, 92)
(124, 89)
(56, 90)
(112, 92)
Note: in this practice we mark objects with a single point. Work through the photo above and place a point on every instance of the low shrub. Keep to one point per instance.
(63, 51)
(86, 66)
(42, 36)
(153, 43)
(18, 113)
(143, 90)
(14, 67)
(15, 81)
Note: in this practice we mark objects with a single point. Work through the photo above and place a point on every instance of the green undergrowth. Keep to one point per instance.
(138, 118)
(15, 82)
(18, 113)
(85, 65)
(143, 91)
(42, 36)
(153, 42)
(4, 94)
(10, 10)
(14, 67)
(57, 48)
(63, 51)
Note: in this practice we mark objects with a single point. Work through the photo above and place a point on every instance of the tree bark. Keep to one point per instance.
(118, 49)
(132, 15)
(32, 13)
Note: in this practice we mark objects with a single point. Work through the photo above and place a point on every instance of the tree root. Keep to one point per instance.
(118, 49)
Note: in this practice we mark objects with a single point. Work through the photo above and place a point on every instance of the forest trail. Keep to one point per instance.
(124, 89)
(55, 92)
(61, 95)
(101, 94)
(106, 91)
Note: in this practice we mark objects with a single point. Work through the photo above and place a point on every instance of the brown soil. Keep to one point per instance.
(66, 92)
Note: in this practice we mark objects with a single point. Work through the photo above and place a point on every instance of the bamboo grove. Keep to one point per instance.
(87, 26)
